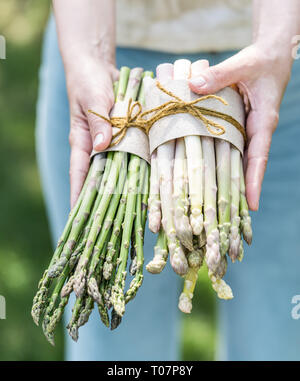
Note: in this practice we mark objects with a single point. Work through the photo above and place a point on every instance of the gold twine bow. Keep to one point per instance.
(123, 123)
(174, 106)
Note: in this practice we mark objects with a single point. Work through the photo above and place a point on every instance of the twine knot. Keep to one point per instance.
(132, 119)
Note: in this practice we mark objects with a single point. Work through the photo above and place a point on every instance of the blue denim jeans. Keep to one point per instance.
(257, 323)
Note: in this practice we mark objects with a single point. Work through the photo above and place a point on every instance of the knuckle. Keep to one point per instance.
(216, 74)
(104, 98)
(78, 128)
(263, 157)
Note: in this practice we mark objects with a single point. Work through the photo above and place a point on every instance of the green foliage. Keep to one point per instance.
(25, 246)
(198, 335)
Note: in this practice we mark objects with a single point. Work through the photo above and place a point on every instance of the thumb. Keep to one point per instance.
(100, 129)
(226, 73)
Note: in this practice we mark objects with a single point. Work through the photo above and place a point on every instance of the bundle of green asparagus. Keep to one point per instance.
(92, 254)
(197, 202)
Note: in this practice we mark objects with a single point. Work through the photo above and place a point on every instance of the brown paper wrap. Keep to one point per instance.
(135, 141)
(180, 125)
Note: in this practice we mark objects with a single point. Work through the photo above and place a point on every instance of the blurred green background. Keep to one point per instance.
(25, 246)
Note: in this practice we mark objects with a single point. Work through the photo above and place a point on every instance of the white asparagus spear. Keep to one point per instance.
(223, 177)
(157, 264)
(195, 166)
(195, 259)
(222, 289)
(213, 256)
(182, 70)
(194, 169)
(154, 199)
(165, 154)
(222, 154)
(165, 158)
(244, 211)
(195, 173)
(181, 203)
(216, 263)
(234, 237)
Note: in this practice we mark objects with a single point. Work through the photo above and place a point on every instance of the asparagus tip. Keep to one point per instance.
(157, 264)
(115, 320)
(35, 317)
(184, 231)
(179, 262)
(246, 229)
(222, 289)
(196, 220)
(212, 255)
(154, 218)
(73, 332)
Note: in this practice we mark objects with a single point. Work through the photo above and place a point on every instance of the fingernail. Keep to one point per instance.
(98, 140)
(198, 82)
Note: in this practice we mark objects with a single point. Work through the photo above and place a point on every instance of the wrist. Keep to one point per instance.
(88, 73)
(81, 62)
(275, 56)
(275, 50)
(76, 55)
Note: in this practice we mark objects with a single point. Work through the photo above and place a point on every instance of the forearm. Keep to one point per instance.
(275, 22)
(85, 28)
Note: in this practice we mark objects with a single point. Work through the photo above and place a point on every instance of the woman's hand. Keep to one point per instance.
(261, 72)
(86, 35)
(261, 78)
(90, 87)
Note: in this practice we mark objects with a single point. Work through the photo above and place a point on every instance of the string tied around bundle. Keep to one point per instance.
(135, 117)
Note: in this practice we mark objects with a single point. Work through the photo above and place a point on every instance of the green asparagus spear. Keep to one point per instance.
(109, 189)
(81, 272)
(40, 299)
(117, 297)
(139, 235)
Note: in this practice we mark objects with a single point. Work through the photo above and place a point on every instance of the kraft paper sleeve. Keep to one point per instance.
(135, 141)
(180, 125)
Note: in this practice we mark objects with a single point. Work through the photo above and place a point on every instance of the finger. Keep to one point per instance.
(164, 72)
(260, 127)
(115, 74)
(228, 72)
(79, 166)
(165, 152)
(198, 67)
(182, 69)
(101, 130)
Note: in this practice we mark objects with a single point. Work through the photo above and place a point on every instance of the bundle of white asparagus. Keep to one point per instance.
(197, 202)
(91, 257)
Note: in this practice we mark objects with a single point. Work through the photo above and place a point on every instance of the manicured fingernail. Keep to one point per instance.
(98, 140)
(198, 82)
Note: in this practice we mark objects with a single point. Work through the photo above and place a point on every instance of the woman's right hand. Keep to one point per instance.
(90, 87)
